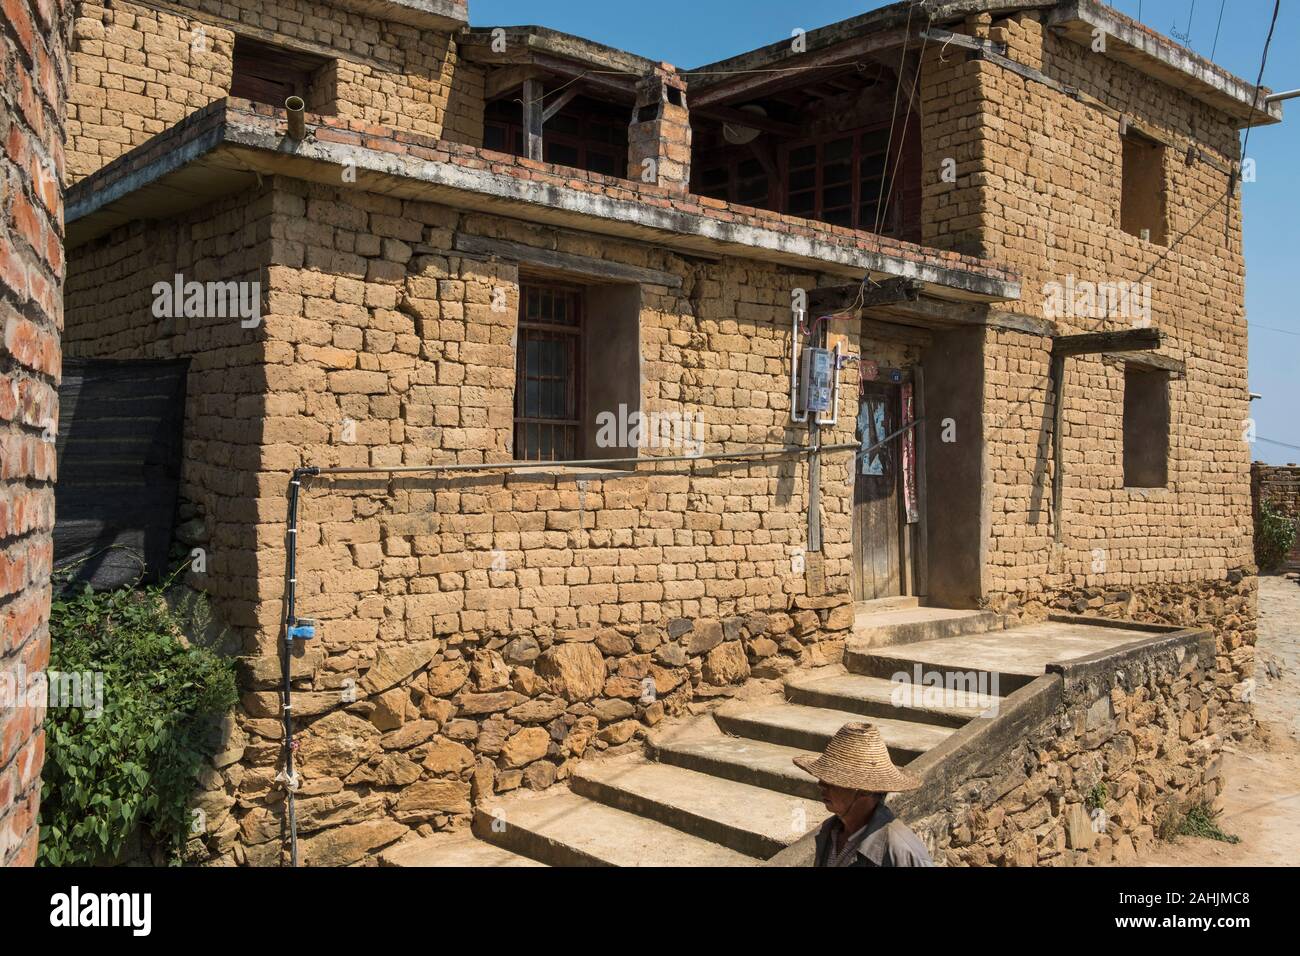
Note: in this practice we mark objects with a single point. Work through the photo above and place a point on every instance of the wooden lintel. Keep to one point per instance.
(1151, 360)
(563, 262)
(1092, 343)
(863, 296)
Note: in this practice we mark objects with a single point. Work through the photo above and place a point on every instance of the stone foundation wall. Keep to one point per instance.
(1118, 758)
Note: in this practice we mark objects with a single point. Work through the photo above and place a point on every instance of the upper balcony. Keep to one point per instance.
(834, 139)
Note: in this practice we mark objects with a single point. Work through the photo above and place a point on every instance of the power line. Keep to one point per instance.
(1280, 444)
(1215, 48)
(1271, 328)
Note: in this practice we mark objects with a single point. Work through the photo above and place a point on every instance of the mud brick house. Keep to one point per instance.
(1015, 224)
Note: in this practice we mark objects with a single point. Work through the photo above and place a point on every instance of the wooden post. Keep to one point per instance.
(1058, 419)
(533, 113)
(814, 485)
(921, 551)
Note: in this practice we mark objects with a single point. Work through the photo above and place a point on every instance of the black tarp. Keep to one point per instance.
(119, 451)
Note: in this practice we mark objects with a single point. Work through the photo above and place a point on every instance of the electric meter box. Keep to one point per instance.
(816, 380)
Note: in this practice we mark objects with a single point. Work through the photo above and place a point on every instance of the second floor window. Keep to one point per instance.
(843, 180)
(266, 73)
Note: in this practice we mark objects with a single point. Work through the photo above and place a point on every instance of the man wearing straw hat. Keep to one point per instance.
(856, 775)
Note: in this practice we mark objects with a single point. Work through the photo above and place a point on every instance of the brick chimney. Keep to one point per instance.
(659, 139)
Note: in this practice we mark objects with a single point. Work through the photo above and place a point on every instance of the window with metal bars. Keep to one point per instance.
(548, 380)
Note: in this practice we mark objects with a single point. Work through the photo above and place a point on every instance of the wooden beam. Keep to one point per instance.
(561, 101)
(532, 120)
(565, 262)
(1091, 343)
(747, 86)
(726, 114)
(625, 87)
(841, 297)
(501, 81)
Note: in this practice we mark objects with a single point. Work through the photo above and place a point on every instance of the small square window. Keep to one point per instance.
(1142, 191)
(266, 73)
(1146, 427)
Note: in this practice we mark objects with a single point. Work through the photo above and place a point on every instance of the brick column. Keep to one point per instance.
(660, 132)
(33, 84)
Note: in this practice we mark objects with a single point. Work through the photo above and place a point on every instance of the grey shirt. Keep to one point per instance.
(884, 841)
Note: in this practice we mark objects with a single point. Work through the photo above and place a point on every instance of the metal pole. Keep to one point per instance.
(290, 621)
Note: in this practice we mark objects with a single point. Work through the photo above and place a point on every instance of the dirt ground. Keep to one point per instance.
(1262, 799)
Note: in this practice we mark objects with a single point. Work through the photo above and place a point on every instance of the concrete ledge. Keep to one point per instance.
(1160, 57)
(1094, 668)
(450, 15)
(240, 141)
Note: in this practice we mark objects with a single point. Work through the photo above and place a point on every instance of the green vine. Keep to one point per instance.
(1275, 533)
(128, 760)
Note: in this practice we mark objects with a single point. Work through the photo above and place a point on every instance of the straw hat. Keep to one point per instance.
(857, 759)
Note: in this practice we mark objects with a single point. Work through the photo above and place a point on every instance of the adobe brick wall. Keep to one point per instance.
(1038, 190)
(477, 633)
(1040, 175)
(1279, 485)
(140, 67)
(33, 84)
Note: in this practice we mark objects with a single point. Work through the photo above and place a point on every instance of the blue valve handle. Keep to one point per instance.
(304, 629)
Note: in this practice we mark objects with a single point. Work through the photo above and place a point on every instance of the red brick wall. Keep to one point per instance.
(33, 84)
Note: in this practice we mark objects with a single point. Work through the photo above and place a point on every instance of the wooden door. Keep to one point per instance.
(877, 511)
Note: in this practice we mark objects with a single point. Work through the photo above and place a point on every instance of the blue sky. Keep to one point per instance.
(689, 33)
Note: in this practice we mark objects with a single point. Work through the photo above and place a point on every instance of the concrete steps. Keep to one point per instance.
(567, 829)
(755, 762)
(876, 627)
(879, 697)
(723, 790)
(745, 818)
(811, 728)
(460, 849)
